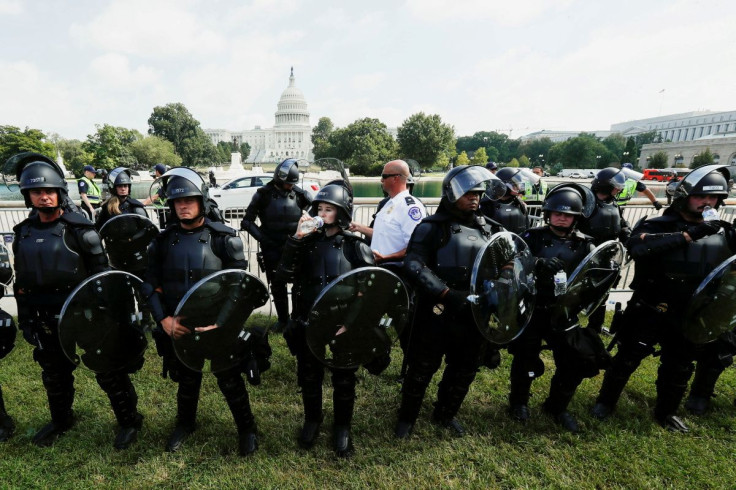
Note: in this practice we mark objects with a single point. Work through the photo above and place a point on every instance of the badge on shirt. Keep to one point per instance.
(415, 213)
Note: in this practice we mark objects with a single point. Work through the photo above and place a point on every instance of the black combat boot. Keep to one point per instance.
(187, 399)
(343, 443)
(128, 433)
(60, 394)
(7, 425)
(124, 403)
(49, 433)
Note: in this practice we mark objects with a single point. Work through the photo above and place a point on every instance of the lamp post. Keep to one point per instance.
(626, 156)
(597, 161)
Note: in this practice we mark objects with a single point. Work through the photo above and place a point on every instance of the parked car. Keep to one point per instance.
(237, 193)
(576, 175)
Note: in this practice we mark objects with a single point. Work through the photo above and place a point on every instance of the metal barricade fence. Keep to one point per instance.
(363, 213)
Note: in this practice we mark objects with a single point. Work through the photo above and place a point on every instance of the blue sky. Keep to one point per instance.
(514, 67)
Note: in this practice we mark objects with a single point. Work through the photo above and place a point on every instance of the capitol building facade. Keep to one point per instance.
(291, 136)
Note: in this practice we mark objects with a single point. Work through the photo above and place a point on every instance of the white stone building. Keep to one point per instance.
(291, 136)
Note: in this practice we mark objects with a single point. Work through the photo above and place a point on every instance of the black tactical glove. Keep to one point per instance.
(456, 299)
(550, 266)
(28, 327)
(706, 228)
(657, 205)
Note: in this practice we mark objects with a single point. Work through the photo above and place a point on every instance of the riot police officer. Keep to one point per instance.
(278, 205)
(313, 260)
(7, 341)
(185, 252)
(54, 252)
(673, 253)
(119, 182)
(558, 246)
(510, 210)
(438, 262)
(606, 221)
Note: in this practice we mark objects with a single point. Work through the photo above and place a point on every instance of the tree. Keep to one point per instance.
(513, 163)
(703, 158)
(581, 151)
(74, 155)
(363, 143)
(174, 123)
(462, 159)
(537, 150)
(498, 145)
(658, 160)
(524, 161)
(616, 145)
(424, 138)
(13, 140)
(321, 137)
(479, 157)
(110, 146)
(244, 150)
(153, 149)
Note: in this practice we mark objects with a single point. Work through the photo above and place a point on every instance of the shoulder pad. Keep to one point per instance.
(135, 203)
(76, 219)
(409, 200)
(220, 228)
(17, 228)
(436, 218)
(579, 235)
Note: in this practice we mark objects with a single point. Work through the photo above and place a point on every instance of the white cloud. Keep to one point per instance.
(114, 71)
(367, 81)
(497, 11)
(10, 7)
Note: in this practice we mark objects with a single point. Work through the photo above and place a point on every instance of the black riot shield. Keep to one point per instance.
(6, 270)
(502, 283)
(588, 285)
(100, 322)
(215, 310)
(127, 237)
(712, 309)
(357, 317)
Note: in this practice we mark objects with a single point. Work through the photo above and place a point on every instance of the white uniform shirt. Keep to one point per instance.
(395, 223)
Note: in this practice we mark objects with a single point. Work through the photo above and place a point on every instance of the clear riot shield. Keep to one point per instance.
(215, 310)
(6, 269)
(588, 285)
(127, 237)
(502, 283)
(100, 322)
(357, 317)
(712, 309)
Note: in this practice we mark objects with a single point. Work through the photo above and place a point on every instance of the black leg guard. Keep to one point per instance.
(343, 395)
(623, 365)
(60, 393)
(187, 398)
(415, 385)
(452, 391)
(310, 373)
(7, 425)
(233, 388)
(122, 395)
(561, 391)
(671, 385)
(280, 300)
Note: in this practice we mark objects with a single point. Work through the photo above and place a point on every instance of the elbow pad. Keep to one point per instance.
(424, 278)
(655, 244)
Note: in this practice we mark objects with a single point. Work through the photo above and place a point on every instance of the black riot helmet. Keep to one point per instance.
(41, 173)
(517, 179)
(119, 176)
(340, 194)
(287, 172)
(708, 180)
(607, 180)
(465, 178)
(569, 198)
(184, 182)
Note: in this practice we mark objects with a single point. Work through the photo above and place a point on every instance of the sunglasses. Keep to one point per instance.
(386, 176)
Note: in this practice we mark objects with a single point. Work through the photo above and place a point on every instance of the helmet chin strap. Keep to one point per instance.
(48, 209)
(563, 229)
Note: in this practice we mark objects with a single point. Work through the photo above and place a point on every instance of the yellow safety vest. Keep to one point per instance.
(93, 191)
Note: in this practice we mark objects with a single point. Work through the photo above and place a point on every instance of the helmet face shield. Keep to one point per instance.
(182, 182)
(287, 172)
(705, 180)
(474, 178)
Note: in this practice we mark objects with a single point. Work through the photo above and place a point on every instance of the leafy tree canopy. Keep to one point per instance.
(462, 159)
(425, 137)
(153, 149)
(176, 124)
(479, 157)
(363, 143)
(14, 140)
(658, 160)
(110, 146)
(321, 137)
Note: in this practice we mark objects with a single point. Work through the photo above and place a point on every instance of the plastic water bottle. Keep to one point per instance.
(709, 214)
(310, 225)
(560, 279)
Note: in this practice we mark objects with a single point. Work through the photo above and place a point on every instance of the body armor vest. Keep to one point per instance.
(280, 215)
(189, 258)
(44, 263)
(509, 214)
(694, 262)
(544, 244)
(455, 258)
(604, 224)
(327, 261)
(128, 208)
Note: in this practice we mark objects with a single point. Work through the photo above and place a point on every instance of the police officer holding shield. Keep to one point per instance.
(120, 202)
(606, 222)
(559, 247)
(278, 205)
(673, 253)
(438, 262)
(55, 251)
(509, 209)
(186, 251)
(313, 260)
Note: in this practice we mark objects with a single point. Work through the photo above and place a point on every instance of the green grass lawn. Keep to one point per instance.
(627, 451)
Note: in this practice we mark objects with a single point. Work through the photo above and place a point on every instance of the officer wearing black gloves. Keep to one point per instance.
(119, 182)
(185, 252)
(510, 210)
(54, 252)
(606, 222)
(312, 261)
(673, 254)
(558, 247)
(279, 206)
(438, 263)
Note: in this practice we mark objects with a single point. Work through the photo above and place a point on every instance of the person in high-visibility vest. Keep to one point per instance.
(536, 192)
(633, 186)
(90, 192)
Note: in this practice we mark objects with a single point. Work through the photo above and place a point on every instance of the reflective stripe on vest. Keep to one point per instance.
(93, 191)
(626, 193)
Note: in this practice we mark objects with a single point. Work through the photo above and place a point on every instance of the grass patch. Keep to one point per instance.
(627, 451)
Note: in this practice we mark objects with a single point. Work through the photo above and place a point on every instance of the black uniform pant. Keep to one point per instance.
(527, 365)
(231, 385)
(271, 259)
(454, 337)
(643, 327)
(711, 360)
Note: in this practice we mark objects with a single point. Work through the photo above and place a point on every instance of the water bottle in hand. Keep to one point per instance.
(560, 280)
(310, 225)
(709, 214)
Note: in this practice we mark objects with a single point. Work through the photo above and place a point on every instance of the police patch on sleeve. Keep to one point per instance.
(415, 213)
(409, 200)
